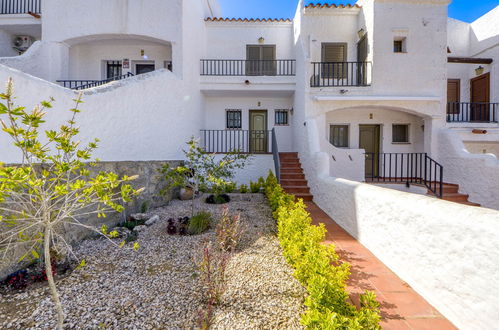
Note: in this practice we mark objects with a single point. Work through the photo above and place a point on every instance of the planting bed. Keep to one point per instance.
(159, 286)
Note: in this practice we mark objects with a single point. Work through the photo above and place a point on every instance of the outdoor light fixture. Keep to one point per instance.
(261, 40)
(479, 70)
(143, 54)
(361, 33)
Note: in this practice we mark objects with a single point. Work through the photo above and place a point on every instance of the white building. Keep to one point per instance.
(385, 91)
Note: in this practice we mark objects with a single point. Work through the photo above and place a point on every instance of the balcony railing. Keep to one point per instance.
(466, 112)
(20, 6)
(243, 141)
(248, 67)
(407, 168)
(341, 74)
(84, 84)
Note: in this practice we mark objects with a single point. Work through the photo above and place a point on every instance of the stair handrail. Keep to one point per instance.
(275, 153)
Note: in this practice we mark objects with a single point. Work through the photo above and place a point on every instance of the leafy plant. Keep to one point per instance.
(213, 268)
(199, 223)
(228, 231)
(255, 187)
(144, 207)
(317, 267)
(230, 187)
(203, 170)
(243, 189)
(52, 188)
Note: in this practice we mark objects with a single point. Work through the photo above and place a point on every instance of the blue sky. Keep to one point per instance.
(464, 10)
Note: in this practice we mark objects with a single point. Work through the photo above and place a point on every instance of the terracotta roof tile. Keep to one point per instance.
(330, 5)
(248, 20)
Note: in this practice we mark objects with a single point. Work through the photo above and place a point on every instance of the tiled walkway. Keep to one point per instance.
(401, 306)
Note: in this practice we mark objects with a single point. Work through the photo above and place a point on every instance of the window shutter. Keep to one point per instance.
(333, 53)
(253, 53)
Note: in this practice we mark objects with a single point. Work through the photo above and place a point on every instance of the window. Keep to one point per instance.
(234, 119)
(399, 45)
(333, 57)
(281, 117)
(400, 133)
(261, 60)
(338, 136)
(113, 69)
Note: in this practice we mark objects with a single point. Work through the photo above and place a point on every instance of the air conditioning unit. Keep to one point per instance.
(21, 43)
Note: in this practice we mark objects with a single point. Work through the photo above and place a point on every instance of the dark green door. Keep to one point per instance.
(369, 140)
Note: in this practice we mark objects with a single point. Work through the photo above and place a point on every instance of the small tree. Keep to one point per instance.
(201, 169)
(51, 188)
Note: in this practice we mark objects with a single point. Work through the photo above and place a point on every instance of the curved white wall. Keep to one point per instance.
(446, 251)
(147, 117)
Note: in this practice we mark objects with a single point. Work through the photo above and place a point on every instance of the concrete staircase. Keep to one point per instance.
(292, 178)
(451, 194)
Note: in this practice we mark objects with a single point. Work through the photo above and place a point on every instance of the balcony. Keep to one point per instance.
(85, 84)
(248, 68)
(341, 74)
(472, 112)
(9, 7)
(242, 141)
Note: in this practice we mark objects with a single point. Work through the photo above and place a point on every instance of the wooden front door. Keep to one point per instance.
(480, 98)
(258, 134)
(369, 140)
(453, 96)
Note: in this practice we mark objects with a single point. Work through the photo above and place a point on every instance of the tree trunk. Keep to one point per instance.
(50, 279)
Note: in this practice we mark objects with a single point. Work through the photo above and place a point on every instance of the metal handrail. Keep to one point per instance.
(20, 7)
(236, 140)
(84, 84)
(465, 112)
(405, 168)
(226, 67)
(275, 153)
(341, 74)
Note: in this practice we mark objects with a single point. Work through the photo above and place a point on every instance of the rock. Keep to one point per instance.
(152, 220)
(186, 194)
(139, 216)
(139, 229)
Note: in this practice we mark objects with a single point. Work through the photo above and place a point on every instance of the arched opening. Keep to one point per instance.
(97, 59)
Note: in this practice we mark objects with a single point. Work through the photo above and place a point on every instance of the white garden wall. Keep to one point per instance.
(147, 117)
(445, 251)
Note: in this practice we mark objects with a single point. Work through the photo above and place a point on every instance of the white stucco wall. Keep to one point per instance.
(147, 117)
(86, 59)
(6, 44)
(444, 250)
(258, 166)
(478, 147)
(228, 40)
(215, 114)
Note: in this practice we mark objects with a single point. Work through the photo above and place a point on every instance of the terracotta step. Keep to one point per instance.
(290, 165)
(471, 204)
(456, 197)
(293, 176)
(288, 155)
(305, 197)
(296, 189)
(294, 182)
(295, 170)
(448, 189)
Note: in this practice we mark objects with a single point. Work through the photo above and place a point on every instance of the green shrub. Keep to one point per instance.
(255, 187)
(230, 187)
(243, 189)
(317, 267)
(199, 223)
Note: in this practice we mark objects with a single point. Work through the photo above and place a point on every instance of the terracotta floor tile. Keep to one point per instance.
(401, 307)
(431, 324)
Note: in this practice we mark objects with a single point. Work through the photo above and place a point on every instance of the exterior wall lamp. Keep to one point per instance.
(361, 33)
(261, 40)
(479, 70)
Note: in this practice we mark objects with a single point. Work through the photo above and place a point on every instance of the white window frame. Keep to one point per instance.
(348, 134)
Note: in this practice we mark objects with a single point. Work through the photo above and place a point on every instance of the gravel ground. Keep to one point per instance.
(158, 287)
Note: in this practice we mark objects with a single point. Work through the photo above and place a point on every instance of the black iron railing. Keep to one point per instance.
(338, 74)
(248, 67)
(84, 84)
(275, 153)
(20, 6)
(244, 141)
(407, 168)
(465, 112)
